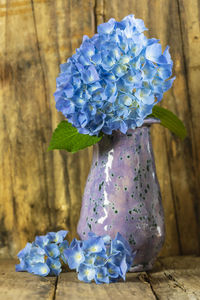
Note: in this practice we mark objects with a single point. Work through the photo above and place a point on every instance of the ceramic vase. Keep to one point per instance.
(122, 194)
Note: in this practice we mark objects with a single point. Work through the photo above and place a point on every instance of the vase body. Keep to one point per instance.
(122, 194)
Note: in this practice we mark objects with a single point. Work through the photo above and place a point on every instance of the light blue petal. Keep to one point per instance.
(123, 268)
(90, 75)
(66, 106)
(164, 71)
(41, 269)
(113, 270)
(101, 275)
(149, 71)
(68, 90)
(25, 251)
(86, 273)
(21, 266)
(106, 27)
(94, 245)
(167, 56)
(101, 259)
(108, 62)
(145, 96)
(52, 250)
(41, 241)
(90, 259)
(119, 70)
(74, 256)
(153, 52)
(121, 244)
(54, 265)
(168, 84)
(88, 49)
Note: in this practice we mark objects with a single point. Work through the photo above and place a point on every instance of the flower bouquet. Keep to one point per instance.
(109, 92)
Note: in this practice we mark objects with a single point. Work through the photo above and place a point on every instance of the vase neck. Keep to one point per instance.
(138, 138)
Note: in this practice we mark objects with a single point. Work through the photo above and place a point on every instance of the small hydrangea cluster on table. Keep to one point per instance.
(44, 255)
(98, 258)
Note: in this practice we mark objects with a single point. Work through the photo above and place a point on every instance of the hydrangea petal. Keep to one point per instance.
(54, 265)
(113, 270)
(94, 245)
(86, 273)
(74, 256)
(106, 27)
(41, 241)
(52, 250)
(41, 269)
(101, 275)
(153, 52)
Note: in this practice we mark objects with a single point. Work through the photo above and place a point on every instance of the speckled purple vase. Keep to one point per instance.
(122, 194)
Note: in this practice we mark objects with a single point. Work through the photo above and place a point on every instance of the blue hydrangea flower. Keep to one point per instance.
(114, 79)
(94, 245)
(113, 270)
(57, 237)
(52, 250)
(86, 273)
(22, 255)
(74, 256)
(42, 257)
(64, 245)
(41, 241)
(101, 275)
(54, 266)
(41, 269)
(100, 258)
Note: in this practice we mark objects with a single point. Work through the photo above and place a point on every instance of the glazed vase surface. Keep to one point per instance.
(122, 194)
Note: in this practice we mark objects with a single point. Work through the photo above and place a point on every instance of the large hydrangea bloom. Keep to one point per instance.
(114, 79)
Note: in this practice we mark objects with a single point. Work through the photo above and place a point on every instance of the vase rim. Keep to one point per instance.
(150, 121)
(147, 123)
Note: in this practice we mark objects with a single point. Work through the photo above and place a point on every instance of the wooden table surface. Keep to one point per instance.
(172, 278)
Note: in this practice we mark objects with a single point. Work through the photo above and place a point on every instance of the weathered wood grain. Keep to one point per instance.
(176, 278)
(41, 191)
(23, 286)
(190, 28)
(134, 288)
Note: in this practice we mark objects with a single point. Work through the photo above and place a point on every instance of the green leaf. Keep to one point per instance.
(67, 137)
(170, 121)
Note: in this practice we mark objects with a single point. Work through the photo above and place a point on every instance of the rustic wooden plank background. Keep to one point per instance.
(40, 190)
